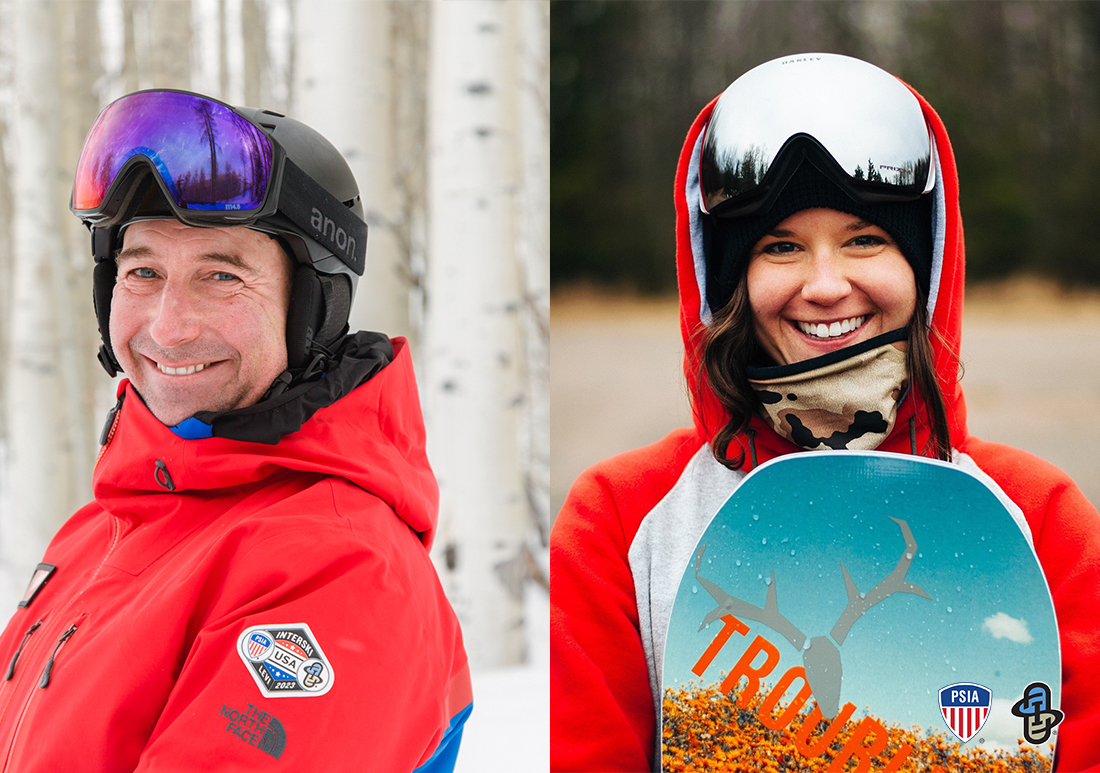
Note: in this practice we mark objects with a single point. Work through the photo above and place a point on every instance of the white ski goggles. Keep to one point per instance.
(855, 122)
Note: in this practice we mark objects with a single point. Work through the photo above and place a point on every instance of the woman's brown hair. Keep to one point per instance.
(730, 346)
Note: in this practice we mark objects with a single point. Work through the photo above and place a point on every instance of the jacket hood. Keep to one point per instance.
(944, 302)
(371, 434)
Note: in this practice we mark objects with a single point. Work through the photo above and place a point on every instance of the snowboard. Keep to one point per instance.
(861, 611)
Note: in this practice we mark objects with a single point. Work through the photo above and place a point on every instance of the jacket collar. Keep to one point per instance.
(368, 432)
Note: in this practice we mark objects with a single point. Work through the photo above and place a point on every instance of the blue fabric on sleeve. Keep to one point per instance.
(444, 756)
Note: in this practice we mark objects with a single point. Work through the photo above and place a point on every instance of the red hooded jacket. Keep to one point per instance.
(227, 605)
(614, 553)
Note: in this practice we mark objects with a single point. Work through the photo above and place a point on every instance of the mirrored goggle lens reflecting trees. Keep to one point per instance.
(860, 122)
(207, 156)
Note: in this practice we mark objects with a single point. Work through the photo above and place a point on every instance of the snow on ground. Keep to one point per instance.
(509, 729)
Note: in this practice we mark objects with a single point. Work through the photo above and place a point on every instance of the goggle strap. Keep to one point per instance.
(337, 307)
(331, 224)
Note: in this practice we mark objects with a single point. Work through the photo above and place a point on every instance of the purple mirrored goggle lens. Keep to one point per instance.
(207, 156)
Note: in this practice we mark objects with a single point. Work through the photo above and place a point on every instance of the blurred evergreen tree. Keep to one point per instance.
(616, 111)
(1016, 84)
(961, 61)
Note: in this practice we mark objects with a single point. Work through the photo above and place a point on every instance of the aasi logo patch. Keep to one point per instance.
(285, 660)
(965, 708)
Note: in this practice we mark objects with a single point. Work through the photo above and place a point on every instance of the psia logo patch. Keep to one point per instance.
(965, 708)
(285, 660)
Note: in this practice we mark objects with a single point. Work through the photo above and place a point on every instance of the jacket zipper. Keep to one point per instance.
(18, 652)
(109, 427)
(45, 681)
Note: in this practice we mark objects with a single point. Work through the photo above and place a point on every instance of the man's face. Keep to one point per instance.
(198, 316)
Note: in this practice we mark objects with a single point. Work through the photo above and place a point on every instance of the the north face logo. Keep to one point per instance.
(256, 728)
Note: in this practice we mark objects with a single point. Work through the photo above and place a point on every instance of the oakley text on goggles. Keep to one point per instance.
(857, 123)
(213, 167)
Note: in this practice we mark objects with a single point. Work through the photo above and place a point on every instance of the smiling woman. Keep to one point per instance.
(820, 267)
(198, 316)
(822, 280)
(818, 283)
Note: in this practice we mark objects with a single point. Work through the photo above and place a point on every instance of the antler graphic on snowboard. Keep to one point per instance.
(821, 657)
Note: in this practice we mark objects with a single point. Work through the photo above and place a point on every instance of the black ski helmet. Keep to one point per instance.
(325, 277)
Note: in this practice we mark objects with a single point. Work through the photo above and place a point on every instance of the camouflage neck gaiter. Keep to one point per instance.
(845, 399)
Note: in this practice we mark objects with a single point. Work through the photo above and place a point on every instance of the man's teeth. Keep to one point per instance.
(184, 371)
(834, 330)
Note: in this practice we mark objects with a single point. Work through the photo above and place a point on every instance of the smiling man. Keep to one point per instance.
(250, 588)
(198, 316)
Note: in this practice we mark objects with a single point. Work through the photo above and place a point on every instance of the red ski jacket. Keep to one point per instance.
(618, 550)
(228, 605)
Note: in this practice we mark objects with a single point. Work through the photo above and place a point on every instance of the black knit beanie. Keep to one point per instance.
(909, 223)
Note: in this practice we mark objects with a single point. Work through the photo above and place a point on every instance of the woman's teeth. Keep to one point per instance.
(184, 371)
(833, 330)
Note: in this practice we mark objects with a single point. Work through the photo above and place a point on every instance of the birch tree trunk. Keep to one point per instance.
(473, 382)
(164, 50)
(38, 480)
(343, 87)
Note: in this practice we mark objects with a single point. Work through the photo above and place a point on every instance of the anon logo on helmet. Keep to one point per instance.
(327, 228)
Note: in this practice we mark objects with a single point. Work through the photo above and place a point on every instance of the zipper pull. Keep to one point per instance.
(18, 652)
(49, 664)
(112, 420)
(111, 423)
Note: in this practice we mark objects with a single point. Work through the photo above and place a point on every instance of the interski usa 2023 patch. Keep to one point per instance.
(285, 660)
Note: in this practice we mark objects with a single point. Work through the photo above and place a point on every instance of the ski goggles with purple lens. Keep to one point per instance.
(212, 165)
(855, 122)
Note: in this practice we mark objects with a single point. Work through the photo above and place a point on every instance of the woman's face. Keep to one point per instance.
(822, 280)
